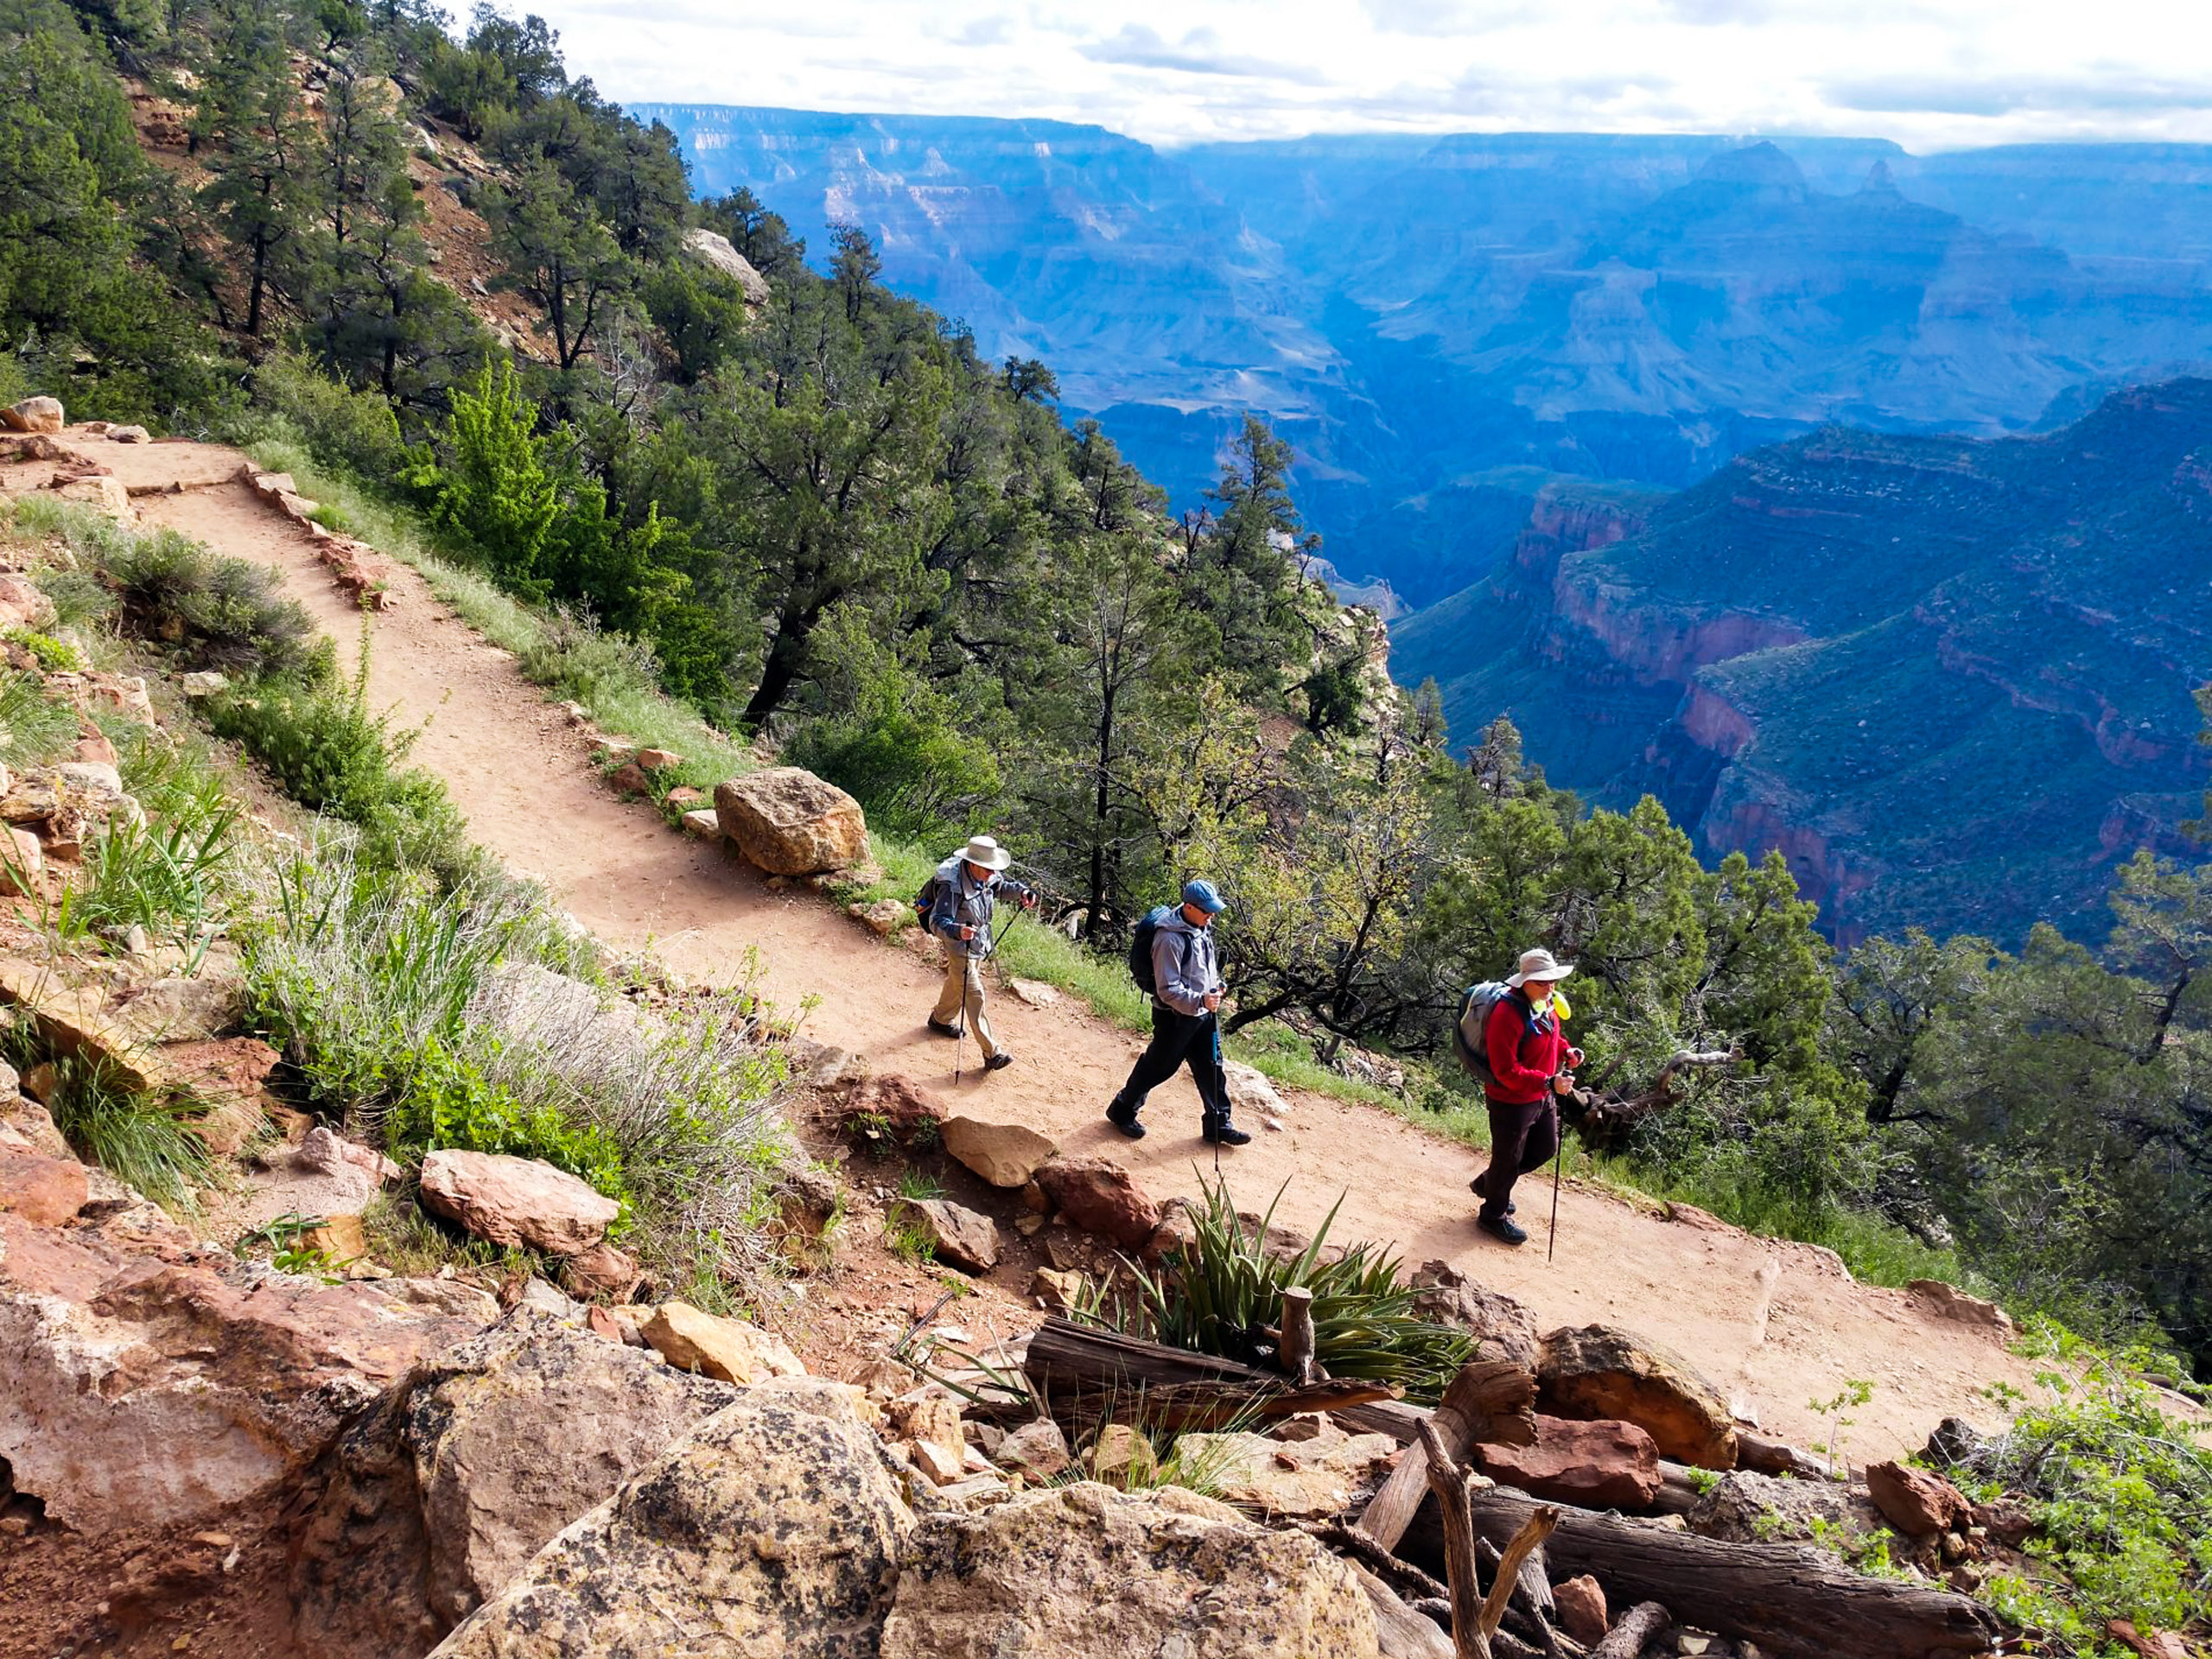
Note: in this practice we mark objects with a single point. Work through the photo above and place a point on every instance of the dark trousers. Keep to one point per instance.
(1176, 1038)
(1522, 1139)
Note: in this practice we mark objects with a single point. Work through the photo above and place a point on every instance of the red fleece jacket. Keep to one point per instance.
(1525, 1057)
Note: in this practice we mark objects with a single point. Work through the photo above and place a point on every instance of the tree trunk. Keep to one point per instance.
(1629, 1638)
(1490, 1402)
(1792, 1601)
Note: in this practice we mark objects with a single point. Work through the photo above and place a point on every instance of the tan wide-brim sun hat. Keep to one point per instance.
(985, 851)
(1540, 966)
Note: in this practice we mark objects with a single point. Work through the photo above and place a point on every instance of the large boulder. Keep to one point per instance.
(1005, 1155)
(1745, 1507)
(1097, 1195)
(1596, 1465)
(1602, 1372)
(1503, 1328)
(713, 249)
(517, 1201)
(774, 1528)
(34, 414)
(154, 1382)
(729, 1350)
(788, 821)
(1083, 1571)
(440, 1496)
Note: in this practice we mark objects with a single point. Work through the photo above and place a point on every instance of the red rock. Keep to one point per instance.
(1914, 1502)
(34, 414)
(1607, 1375)
(1097, 1195)
(2150, 1644)
(229, 1074)
(658, 759)
(900, 1103)
(629, 780)
(1600, 1465)
(601, 1270)
(47, 1191)
(517, 1201)
(1503, 1329)
(787, 821)
(1582, 1609)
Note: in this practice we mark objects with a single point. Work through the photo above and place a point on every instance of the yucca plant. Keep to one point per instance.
(1222, 1293)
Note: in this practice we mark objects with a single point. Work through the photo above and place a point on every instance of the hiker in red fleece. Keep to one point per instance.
(1529, 1057)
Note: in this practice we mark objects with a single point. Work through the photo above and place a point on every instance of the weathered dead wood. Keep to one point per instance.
(1606, 1118)
(1491, 1401)
(1297, 1351)
(1629, 1638)
(1766, 1457)
(1084, 1369)
(1678, 1490)
(1507, 1579)
(1790, 1600)
(1528, 1614)
(1403, 1632)
(1402, 1576)
(1469, 1640)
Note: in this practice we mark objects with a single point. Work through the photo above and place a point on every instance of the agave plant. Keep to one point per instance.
(1222, 1293)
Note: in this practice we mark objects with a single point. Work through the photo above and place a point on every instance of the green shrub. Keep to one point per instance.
(219, 612)
(166, 877)
(138, 1139)
(1222, 1293)
(354, 430)
(80, 598)
(54, 656)
(33, 727)
(490, 489)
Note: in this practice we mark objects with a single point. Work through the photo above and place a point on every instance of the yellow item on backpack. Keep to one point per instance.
(1559, 1004)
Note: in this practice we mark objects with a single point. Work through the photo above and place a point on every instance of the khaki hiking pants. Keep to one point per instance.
(963, 994)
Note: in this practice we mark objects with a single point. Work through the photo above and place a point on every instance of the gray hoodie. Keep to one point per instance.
(1183, 965)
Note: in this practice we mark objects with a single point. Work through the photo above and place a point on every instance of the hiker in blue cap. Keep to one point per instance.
(1172, 957)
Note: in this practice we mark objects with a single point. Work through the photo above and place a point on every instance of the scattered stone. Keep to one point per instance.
(1916, 1503)
(883, 918)
(684, 796)
(929, 1412)
(45, 1192)
(129, 435)
(1604, 1373)
(326, 1152)
(39, 446)
(177, 1009)
(1949, 1302)
(227, 1073)
(1690, 1644)
(338, 1237)
(1954, 1441)
(657, 760)
(34, 414)
(516, 1201)
(1097, 1196)
(900, 1105)
(630, 779)
(703, 825)
(2148, 1645)
(23, 604)
(941, 1465)
(788, 821)
(208, 682)
(773, 1529)
(1250, 1092)
(1085, 1573)
(959, 1236)
(1058, 1289)
(1034, 992)
(542, 1297)
(731, 1350)
(1028, 1224)
(2007, 1519)
(1581, 1609)
(102, 492)
(1598, 1466)
(1004, 1154)
(1037, 1450)
(601, 1270)
(1120, 1456)
(22, 860)
(1505, 1329)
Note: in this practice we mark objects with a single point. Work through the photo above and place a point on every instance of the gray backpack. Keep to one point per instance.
(1470, 1036)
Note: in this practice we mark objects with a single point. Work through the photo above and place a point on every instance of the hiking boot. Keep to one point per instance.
(1126, 1121)
(1476, 1187)
(998, 1062)
(1502, 1229)
(1224, 1135)
(941, 1029)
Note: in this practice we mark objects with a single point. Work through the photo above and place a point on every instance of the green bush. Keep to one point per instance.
(219, 613)
(166, 877)
(353, 429)
(490, 489)
(138, 1139)
(33, 727)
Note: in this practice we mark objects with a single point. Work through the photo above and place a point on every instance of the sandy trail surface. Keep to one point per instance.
(1776, 1325)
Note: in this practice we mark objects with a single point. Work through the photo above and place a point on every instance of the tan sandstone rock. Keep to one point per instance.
(1085, 1573)
(788, 821)
(1600, 1372)
(34, 414)
(963, 1237)
(1005, 1155)
(1322, 1476)
(517, 1201)
(729, 1350)
(1505, 1329)
(772, 1529)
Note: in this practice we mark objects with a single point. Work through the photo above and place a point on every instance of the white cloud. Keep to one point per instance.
(1929, 73)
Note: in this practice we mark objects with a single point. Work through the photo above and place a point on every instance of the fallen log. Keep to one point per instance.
(1629, 1638)
(1090, 1370)
(1792, 1601)
(1491, 1401)
(1766, 1457)
(1678, 1489)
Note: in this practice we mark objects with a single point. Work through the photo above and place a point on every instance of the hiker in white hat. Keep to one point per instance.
(1526, 1059)
(967, 886)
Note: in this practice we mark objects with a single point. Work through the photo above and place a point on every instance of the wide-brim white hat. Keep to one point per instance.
(986, 851)
(1540, 966)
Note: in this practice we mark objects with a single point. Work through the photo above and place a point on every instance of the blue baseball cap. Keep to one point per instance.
(1205, 896)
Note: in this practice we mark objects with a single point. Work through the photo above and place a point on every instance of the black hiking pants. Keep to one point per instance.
(1177, 1038)
(1521, 1140)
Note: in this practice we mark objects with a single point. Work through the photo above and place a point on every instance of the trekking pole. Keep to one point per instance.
(1559, 1161)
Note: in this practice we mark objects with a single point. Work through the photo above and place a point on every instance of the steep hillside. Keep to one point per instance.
(1950, 678)
(1411, 312)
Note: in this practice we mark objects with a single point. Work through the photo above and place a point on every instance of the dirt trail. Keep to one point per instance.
(1776, 1325)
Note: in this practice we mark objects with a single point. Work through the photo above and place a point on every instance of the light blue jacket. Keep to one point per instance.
(962, 901)
(1183, 965)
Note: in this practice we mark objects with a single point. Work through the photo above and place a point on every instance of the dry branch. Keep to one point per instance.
(1490, 1402)
(1633, 1633)
(1470, 1639)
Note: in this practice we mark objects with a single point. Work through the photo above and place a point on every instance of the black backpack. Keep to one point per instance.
(925, 901)
(1141, 948)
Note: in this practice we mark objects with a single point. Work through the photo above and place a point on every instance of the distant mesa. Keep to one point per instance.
(1761, 166)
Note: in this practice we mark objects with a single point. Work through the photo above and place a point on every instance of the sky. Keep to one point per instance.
(1931, 76)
